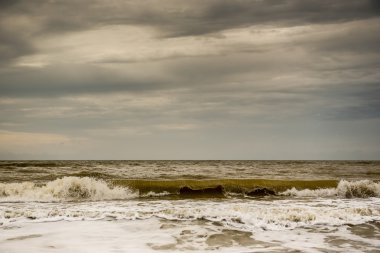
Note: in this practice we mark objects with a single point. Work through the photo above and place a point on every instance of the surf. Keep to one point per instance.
(64, 189)
(94, 189)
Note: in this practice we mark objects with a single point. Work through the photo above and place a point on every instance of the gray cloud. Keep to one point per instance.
(229, 14)
(13, 45)
(76, 79)
(195, 17)
(170, 18)
(136, 77)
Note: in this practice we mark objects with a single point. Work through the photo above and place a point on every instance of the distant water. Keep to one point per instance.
(189, 206)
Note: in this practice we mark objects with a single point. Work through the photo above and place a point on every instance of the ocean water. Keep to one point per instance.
(189, 206)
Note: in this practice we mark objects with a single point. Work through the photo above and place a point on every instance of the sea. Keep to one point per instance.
(189, 206)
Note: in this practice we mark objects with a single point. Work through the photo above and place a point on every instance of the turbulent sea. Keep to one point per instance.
(189, 206)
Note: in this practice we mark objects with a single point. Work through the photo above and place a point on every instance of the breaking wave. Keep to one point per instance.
(64, 189)
(155, 194)
(345, 189)
(229, 185)
(93, 189)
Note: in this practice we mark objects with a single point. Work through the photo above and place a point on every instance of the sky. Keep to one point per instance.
(199, 79)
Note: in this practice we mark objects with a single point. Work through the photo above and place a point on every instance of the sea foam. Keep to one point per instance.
(64, 189)
(345, 189)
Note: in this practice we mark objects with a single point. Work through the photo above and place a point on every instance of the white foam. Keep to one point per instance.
(248, 215)
(345, 189)
(327, 192)
(155, 235)
(360, 189)
(155, 194)
(84, 237)
(66, 188)
(85, 188)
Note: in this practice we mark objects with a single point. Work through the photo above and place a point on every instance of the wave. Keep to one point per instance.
(229, 185)
(344, 189)
(93, 189)
(64, 189)
(260, 187)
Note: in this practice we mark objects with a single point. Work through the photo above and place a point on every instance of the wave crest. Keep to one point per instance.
(86, 188)
(359, 189)
(345, 189)
(66, 188)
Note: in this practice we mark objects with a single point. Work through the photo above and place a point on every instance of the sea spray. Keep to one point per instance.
(92, 189)
(345, 189)
(359, 189)
(64, 189)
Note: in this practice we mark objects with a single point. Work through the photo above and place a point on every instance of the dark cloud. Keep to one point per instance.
(294, 70)
(220, 15)
(191, 17)
(375, 4)
(13, 45)
(75, 79)
(170, 18)
(362, 38)
(7, 3)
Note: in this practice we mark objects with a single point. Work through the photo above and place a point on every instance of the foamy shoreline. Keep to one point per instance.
(157, 235)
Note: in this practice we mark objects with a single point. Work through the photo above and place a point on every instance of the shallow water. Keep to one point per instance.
(136, 206)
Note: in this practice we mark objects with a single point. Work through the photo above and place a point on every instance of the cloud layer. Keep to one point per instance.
(208, 79)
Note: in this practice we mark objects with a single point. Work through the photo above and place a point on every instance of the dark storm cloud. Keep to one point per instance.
(375, 4)
(170, 18)
(7, 3)
(13, 45)
(193, 17)
(220, 15)
(143, 70)
(13, 42)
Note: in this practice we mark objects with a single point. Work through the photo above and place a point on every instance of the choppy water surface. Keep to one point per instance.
(312, 170)
(232, 206)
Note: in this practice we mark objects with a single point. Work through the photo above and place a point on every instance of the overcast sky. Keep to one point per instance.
(199, 79)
